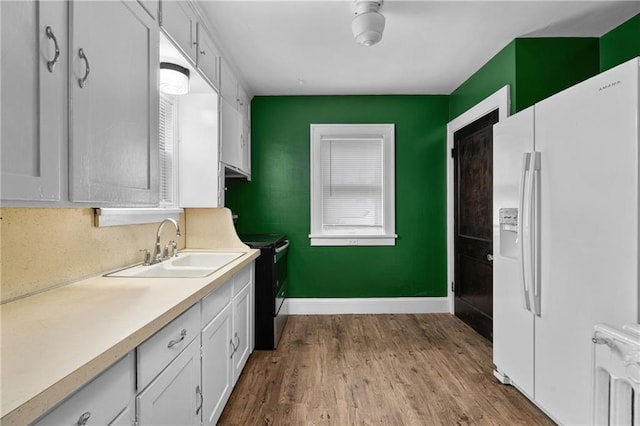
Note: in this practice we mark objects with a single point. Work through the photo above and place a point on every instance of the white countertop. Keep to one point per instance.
(54, 342)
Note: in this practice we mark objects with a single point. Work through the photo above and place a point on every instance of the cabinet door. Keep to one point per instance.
(208, 57)
(245, 147)
(179, 22)
(175, 396)
(217, 367)
(242, 318)
(243, 103)
(230, 131)
(198, 150)
(228, 84)
(34, 98)
(114, 104)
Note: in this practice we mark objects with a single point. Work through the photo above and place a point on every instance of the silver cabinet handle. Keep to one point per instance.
(202, 52)
(52, 63)
(199, 393)
(83, 81)
(490, 257)
(183, 334)
(236, 346)
(84, 418)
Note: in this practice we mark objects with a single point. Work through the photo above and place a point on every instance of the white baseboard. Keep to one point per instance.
(374, 305)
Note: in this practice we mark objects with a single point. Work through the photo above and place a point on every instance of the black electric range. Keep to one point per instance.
(270, 287)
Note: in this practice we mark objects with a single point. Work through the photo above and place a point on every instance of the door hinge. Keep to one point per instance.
(453, 287)
(454, 152)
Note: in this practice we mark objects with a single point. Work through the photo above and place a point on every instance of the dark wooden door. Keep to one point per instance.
(473, 234)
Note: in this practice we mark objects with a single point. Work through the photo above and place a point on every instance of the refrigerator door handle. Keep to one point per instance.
(535, 232)
(526, 161)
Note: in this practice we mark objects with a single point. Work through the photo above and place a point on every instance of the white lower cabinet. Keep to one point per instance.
(175, 396)
(183, 374)
(217, 378)
(101, 401)
(227, 340)
(241, 330)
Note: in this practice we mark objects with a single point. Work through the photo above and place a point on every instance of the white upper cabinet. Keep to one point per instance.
(198, 157)
(208, 57)
(228, 84)
(234, 122)
(113, 150)
(230, 134)
(243, 103)
(34, 98)
(179, 22)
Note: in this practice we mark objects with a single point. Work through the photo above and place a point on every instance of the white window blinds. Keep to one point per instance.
(167, 135)
(352, 182)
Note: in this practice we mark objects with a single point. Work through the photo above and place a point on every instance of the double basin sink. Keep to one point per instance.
(184, 265)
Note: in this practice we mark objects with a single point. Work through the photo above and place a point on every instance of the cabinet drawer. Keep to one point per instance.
(242, 278)
(161, 348)
(215, 302)
(101, 400)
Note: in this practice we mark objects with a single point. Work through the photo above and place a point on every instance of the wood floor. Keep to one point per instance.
(376, 370)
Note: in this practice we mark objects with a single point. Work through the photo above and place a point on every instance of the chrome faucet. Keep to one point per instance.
(157, 254)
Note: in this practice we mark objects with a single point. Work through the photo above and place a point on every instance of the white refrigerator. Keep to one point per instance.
(566, 240)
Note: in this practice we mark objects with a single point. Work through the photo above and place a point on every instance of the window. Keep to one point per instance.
(167, 144)
(168, 197)
(352, 184)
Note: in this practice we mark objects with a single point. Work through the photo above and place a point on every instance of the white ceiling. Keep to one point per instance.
(299, 47)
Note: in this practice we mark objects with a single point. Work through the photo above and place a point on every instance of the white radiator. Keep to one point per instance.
(616, 378)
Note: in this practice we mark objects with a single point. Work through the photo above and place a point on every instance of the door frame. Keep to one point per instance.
(499, 100)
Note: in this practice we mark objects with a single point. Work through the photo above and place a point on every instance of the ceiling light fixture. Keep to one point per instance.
(368, 24)
(174, 79)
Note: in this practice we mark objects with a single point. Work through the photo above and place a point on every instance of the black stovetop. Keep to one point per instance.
(262, 240)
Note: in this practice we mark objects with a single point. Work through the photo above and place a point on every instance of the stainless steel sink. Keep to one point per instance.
(185, 265)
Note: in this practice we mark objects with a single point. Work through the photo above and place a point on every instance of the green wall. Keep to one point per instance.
(620, 44)
(534, 68)
(498, 72)
(545, 66)
(277, 198)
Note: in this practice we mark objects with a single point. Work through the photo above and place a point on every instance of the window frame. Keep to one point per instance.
(352, 237)
(138, 215)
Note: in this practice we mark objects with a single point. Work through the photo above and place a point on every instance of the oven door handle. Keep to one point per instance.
(282, 247)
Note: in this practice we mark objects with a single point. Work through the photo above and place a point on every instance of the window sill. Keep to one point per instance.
(353, 240)
(115, 217)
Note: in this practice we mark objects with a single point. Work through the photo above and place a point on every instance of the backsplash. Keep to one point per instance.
(44, 247)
